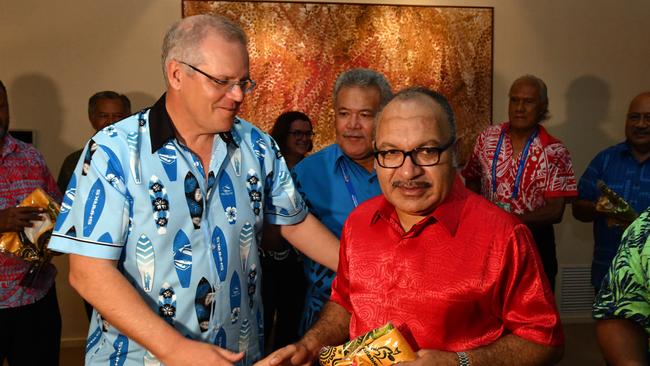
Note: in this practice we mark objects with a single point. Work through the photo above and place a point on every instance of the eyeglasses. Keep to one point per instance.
(638, 117)
(298, 134)
(246, 86)
(421, 156)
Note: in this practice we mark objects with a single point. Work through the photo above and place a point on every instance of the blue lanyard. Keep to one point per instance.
(520, 168)
(348, 183)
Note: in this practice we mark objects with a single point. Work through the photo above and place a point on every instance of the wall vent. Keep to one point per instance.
(576, 292)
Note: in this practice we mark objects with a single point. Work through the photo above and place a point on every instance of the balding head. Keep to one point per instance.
(637, 125)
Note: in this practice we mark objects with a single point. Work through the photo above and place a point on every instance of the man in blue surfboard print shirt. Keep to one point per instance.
(162, 216)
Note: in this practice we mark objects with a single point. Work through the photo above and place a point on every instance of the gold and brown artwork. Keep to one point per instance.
(298, 49)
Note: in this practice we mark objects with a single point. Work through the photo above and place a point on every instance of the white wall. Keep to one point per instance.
(593, 54)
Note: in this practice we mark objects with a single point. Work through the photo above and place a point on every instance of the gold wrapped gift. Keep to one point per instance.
(383, 346)
(619, 212)
(31, 243)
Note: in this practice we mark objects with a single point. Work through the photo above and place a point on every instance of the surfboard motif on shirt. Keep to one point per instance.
(203, 303)
(220, 339)
(245, 335)
(254, 187)
(93, 339)
(235, 297)
(168, 158)
(183, 258)
(159, 204)
(133, 141)
(114, 173)
(121, 347)
(194, 199)
(236, 162)
(227, 197)
(144, 257)
(260, 149)
(220, 253)
(245, 242)
(150, 360)
(68, 200)
(285, 181)
(167, 303)
(94, 207)
(211, 181)
(252, 284)
(88, 156)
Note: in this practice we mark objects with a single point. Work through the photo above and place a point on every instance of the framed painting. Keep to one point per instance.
(298, 49)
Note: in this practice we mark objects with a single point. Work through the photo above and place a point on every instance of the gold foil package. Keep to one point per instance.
(383, 346)
(619, 212)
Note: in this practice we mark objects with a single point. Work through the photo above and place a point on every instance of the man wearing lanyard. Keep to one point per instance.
(336, 179)
(524, 170)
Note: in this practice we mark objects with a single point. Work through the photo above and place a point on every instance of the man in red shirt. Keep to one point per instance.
(460, 278)
(523, 169)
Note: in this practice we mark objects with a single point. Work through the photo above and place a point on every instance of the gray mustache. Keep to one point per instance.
(411, 184)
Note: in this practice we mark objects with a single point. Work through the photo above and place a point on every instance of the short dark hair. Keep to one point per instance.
(107, 94)
(282, 125)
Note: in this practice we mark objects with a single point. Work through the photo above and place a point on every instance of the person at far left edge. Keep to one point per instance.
(29, 317)
(163, 218)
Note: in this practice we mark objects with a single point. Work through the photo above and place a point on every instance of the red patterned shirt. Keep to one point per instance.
(463, 277)
(547, 171)
(22, 169)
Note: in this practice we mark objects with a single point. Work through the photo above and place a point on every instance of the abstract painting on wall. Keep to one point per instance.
(298, 49)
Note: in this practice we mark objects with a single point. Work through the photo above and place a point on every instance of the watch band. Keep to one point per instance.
(463, 359)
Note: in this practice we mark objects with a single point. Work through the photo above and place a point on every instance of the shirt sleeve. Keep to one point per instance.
(341, 284)
(95, 212)
(587, 189)
(48, 180)
(472, 169)
(624, 291)
(529, 309)
(561, 179)
(283, 203)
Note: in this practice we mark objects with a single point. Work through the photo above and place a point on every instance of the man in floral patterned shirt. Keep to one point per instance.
(622, 306)
(524, 170)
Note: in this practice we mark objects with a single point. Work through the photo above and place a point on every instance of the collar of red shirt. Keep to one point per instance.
(544, 138)
(447, 213)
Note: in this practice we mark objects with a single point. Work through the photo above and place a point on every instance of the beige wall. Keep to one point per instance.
(593, 54)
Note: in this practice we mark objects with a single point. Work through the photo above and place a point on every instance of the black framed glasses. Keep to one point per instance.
(246, 85)
(298, 134)
(421, 156)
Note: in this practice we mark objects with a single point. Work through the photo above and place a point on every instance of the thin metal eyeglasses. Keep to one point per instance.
(421, 156)
(638, 117)
(246, 85)
(299, 134)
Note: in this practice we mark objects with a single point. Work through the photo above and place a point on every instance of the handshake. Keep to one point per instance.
(619, 213)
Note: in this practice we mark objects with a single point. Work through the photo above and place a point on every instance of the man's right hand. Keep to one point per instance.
(296, 354)
(190, 353)
(15, 219)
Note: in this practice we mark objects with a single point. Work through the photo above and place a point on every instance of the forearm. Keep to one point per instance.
(331, 329)
(584, 210)
(102, 285)
(513, 350)
(549, 214)
(622, 341)
(314, 240)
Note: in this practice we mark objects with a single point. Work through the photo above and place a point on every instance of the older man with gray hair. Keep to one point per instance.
(162, 219)
(459, 278)
(338, 178)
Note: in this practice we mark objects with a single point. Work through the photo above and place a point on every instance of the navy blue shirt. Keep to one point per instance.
(628, 178)
(320, 179)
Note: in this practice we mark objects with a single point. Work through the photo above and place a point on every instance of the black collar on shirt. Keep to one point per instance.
(161, 126)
